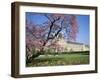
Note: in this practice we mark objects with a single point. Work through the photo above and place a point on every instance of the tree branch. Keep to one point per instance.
(32, 33)
(58, 30)
(47, 17)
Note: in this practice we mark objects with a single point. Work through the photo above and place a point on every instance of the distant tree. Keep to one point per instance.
(38, 35)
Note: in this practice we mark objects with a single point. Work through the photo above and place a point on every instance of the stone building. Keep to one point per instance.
(75, 46)
(60, 45)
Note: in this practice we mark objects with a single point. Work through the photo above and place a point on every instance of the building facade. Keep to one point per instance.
(60, 45)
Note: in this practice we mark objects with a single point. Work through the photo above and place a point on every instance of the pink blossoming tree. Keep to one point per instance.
(38, 35)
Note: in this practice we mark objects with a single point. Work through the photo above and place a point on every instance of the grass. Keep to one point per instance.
(62, 59)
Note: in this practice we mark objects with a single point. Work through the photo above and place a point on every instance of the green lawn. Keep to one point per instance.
(62, 59)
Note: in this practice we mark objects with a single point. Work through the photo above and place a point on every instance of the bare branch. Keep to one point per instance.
(47, 17)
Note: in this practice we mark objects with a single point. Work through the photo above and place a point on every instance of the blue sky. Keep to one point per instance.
(83, 22)
(83, 35)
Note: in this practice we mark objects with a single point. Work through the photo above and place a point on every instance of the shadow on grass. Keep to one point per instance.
(56, 60)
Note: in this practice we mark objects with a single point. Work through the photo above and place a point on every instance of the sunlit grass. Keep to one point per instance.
(62, 59)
